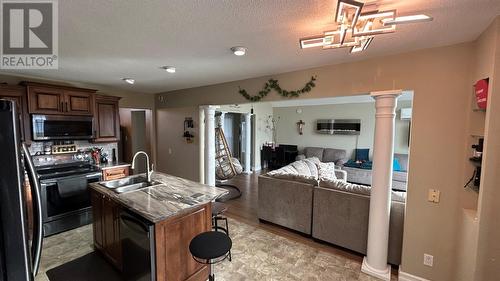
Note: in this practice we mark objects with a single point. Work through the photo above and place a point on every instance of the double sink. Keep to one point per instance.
(128, 184)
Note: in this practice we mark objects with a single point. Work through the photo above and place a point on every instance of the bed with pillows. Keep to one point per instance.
(359, 170)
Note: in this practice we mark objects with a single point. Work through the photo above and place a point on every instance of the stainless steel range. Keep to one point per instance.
(64, 193)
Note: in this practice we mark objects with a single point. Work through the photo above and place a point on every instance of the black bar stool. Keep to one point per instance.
(210, 247)
(218, 210)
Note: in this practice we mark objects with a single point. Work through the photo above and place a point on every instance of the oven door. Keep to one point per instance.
(53, 127)
(66, 202)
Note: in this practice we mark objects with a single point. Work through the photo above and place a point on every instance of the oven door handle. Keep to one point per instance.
(36, 246)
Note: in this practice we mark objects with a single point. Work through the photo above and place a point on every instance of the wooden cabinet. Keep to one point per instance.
(107, 119)
(78, 103)
(106, 227)
(18, 95)
(173, 259)
(115, 173)
(60, 100)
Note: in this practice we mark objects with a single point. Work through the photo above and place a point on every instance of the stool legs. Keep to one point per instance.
(216, 227)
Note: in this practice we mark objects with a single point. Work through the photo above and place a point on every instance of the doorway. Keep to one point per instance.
(136, 135)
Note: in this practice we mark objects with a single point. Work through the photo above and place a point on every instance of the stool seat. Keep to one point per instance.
(210, 245)
(218, 208)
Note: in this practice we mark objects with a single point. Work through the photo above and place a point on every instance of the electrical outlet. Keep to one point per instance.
(169, 150)
(433, 195)
(428, 260)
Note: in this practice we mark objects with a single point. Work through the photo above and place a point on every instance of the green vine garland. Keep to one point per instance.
(272, 84)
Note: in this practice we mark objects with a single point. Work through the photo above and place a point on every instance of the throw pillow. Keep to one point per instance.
(396, 166)
(326, 171)
(362, 154)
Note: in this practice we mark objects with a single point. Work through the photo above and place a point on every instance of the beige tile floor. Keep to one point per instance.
(257, 255)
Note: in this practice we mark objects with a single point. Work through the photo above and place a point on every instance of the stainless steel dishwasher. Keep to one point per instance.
(138, 247)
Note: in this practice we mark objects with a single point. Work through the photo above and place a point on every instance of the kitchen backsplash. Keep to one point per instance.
(81, 145)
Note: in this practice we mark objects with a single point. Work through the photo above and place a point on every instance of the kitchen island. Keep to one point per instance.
(145, 233)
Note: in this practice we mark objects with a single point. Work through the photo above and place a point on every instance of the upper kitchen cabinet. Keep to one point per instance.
(60, 100)
(18, 95)
(107, 119)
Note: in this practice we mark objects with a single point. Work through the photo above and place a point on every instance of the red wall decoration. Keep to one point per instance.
(481, 90)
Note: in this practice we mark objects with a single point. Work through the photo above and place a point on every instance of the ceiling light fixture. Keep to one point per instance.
(129, 80)
(169, 69)
(239, 50)
(356, 29)
(407, 19)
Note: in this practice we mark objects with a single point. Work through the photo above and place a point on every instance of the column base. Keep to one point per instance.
(381, 274)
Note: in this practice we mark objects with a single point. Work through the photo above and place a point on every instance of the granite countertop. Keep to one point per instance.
(110, 165)
(171, 197)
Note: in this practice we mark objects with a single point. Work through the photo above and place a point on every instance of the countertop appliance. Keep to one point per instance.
(64, 191)
(19, 259)
(138, 248)
(62, 127)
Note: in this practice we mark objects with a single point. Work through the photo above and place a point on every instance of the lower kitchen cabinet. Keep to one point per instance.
(106, 226)
(173, 235)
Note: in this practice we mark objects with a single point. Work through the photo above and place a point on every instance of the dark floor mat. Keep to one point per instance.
(234, 192)
(91, 267)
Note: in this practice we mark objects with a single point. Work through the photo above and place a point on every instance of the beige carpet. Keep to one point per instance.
(257, 255)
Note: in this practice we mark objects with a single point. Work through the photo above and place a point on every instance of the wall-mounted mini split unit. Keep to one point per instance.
(338, 126)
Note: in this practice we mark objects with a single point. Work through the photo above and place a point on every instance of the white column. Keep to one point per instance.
(201, 144)
(248, 142)
(209, 156)
(221, 120)
(375, 262)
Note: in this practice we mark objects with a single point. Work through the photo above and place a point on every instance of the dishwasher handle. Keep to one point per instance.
(134, 224)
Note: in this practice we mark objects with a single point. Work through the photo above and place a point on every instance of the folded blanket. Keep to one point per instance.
(367, 165)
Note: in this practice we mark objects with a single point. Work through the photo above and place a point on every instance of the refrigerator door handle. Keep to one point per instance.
(36, 249)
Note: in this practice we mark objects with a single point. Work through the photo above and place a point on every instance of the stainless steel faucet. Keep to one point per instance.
(150, 170)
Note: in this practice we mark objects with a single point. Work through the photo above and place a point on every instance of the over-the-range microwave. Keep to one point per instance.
(59, 127)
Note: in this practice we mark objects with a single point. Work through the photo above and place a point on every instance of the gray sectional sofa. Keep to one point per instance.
(337, 156)
(326, 208)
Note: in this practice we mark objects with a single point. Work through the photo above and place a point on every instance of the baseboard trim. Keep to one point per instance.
(403, 276)
(381, 274)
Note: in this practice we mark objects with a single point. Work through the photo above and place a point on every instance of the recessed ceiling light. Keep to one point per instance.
(239, 50)
(169, 69)
(129, 80)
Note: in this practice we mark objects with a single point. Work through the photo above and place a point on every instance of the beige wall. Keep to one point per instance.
(440, 79)
(287, 132)
(174, 155)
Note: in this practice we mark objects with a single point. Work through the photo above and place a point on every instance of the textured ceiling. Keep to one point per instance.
(101, 41)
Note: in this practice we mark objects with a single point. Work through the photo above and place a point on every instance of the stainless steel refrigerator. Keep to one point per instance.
(19, 255)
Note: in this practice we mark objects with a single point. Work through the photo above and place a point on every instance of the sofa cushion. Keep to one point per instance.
(338, 156)
(358, 189)
(326, 171)
(314, 152)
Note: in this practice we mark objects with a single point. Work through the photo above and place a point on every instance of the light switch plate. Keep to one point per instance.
(428, 260)
(434, 195)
